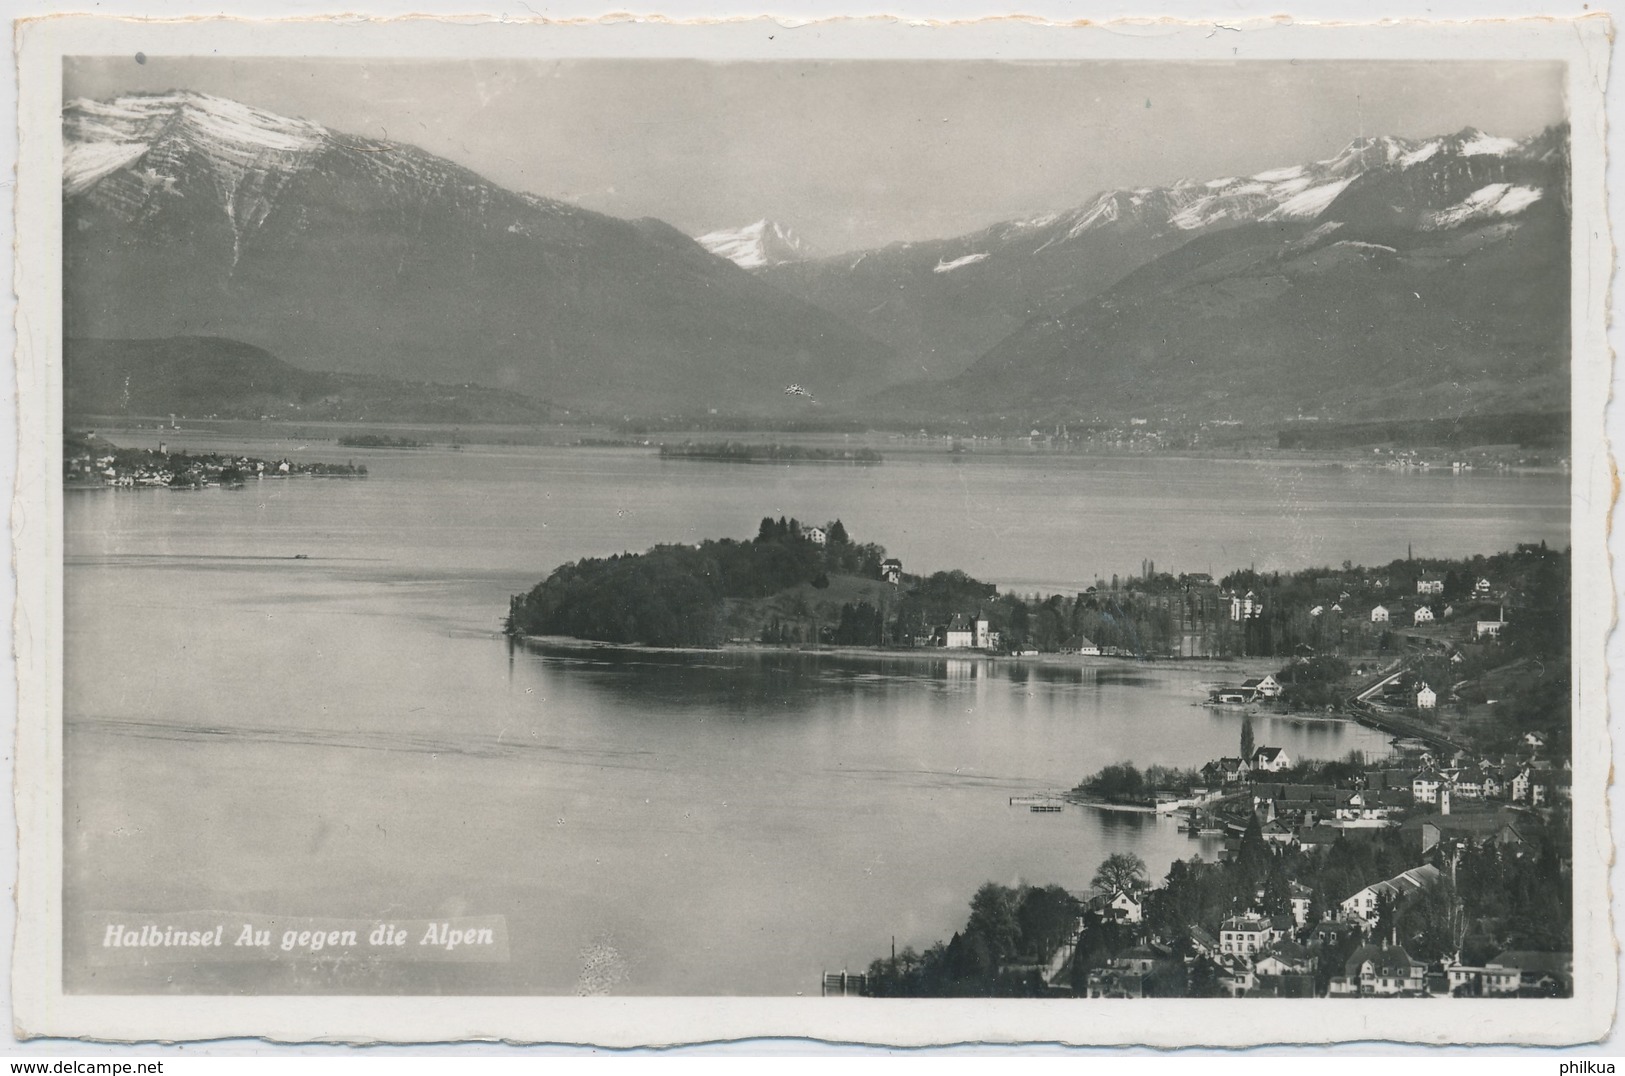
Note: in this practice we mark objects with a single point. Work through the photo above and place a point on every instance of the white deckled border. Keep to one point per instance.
(41, 1008)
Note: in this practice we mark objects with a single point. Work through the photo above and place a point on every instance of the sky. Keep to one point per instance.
(857, 154)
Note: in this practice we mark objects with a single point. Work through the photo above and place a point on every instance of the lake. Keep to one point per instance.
(350, 736)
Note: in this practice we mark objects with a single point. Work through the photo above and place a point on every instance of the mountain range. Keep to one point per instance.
(190, 215)
(1400, 277)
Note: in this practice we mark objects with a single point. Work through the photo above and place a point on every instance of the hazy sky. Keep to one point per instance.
(859, 154)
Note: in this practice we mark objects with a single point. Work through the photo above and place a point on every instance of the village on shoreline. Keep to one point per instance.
(90, 461)
(1440, 870)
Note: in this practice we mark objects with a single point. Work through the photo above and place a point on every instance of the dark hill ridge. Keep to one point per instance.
(191, 215)
(201, 376)
(1434, 287)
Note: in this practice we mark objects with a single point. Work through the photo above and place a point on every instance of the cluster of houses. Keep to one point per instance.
(1255, 954)
(1441, 807)
(1380, 796)
(1427, 606)
(131, 469)
(1259, 955)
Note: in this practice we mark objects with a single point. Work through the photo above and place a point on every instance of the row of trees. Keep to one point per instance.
(1124, 783)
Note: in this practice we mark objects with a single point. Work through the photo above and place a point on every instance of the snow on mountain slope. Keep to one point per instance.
(1309, 203)
(229, 132)
(755, 246)
(946, 266)
(1479, 144)
(83, 163)
(1291, 192)
(1494, 200)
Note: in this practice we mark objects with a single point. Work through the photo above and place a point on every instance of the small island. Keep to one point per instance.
(739, 452)
(376, 440)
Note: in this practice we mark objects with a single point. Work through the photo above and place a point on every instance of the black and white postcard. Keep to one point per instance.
(638, 533)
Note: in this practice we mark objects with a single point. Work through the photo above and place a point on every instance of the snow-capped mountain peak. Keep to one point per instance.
(102, 136)
(1290, 192)
(755, 246)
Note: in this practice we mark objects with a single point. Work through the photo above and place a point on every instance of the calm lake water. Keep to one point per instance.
(349, 735)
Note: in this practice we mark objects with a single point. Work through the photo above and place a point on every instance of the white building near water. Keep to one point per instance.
(1426, 698)
(968, 633)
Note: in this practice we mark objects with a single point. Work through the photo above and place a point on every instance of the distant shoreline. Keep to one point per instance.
(588, 435)
(1239, 667)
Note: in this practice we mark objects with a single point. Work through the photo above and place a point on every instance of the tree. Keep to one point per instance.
(1120, 870)
(1247, 738)
(993, 922)
(1277, 899)
(1253, 858)
(837, 534)
(1433, 924)
(1045, 916)
(1120, 782)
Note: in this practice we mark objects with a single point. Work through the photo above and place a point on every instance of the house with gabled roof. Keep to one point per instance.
(1235, 974)
(1270, 759)
(1227, 771)
(967, 632)
(1263, 687)
(1330, 932)
(1425, 786)
(1364, 904)
(1373, 807)
(1120, 906)
(1380, 971)
(1284, 957)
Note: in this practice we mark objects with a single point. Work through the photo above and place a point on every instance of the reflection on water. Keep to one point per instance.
(349, 735)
